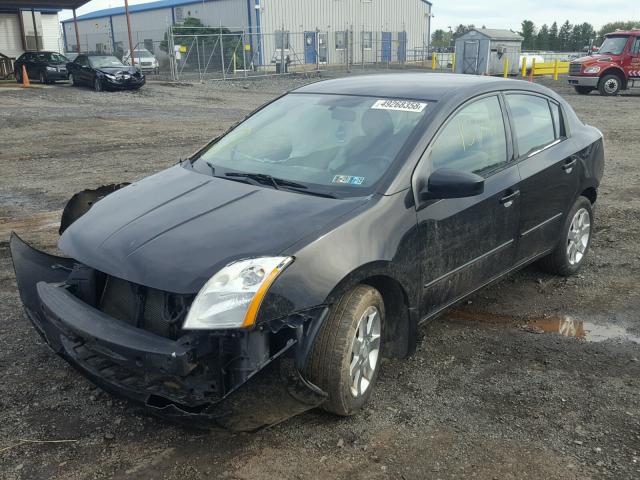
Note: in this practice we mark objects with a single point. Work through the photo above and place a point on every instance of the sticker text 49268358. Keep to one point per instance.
(400, 105)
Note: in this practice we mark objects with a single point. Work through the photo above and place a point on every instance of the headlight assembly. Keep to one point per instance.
(591, 70)
(51, 69)
(110, 77)
(232, 297)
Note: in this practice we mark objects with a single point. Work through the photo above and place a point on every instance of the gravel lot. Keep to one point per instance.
(487, 395)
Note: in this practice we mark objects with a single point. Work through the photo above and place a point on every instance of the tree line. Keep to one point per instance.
(566, 37)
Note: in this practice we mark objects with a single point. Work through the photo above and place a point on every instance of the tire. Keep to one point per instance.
(18, 75)
(568, 256)
(584, 90)
(610, 85)
(97, 84)
(73, 80)
(43, 78)
(342, 364)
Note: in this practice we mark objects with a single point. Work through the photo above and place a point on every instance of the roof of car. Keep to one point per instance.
(416, 86)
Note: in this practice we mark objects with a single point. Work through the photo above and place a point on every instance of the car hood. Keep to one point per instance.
(118, 70)
(595, 58)
(172, 231)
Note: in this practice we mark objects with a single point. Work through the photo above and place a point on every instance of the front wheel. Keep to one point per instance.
(73, 80)
(610, 85)
(575, 240)
(97, 84)
(584, 90)
(346, 355)
(43, 78)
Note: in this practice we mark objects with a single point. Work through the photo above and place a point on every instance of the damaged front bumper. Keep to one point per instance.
(237, 380)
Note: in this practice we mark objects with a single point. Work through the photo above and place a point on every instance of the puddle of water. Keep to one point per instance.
(564, 325)
(591, 332)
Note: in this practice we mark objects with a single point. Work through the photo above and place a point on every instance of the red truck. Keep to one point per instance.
(615, 67)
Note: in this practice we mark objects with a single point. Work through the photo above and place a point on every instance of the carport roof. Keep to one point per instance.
(40, 4)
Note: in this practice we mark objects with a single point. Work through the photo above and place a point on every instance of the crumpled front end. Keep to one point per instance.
(127, 339)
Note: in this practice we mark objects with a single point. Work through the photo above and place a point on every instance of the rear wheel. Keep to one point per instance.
(610, 85)
(346, 356)
(18, 73)
(575, 240)
(584, 90)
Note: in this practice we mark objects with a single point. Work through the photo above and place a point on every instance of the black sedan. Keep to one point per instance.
(104, 72)
(270, 272)
(44, 66)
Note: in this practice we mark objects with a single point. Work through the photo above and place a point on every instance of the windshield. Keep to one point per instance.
(613, 45)
(105, 62)
(51, 57)
(142, 53)
(337, 142)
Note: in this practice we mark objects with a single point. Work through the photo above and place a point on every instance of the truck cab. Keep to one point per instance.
(614, 68)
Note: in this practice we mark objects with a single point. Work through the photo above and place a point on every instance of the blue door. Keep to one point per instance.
(386, 46)
(402, 46)
(310, 49)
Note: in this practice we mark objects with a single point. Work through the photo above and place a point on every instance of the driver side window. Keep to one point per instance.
(474, 140)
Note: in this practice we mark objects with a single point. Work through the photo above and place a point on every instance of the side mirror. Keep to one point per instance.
(448, 183)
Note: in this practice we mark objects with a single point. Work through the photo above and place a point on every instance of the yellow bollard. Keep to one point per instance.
(453, 62)
(524, 67)
(555, 70)
(506, 67)
(433, 61)
(533, 69)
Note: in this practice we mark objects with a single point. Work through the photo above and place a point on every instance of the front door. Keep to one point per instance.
(31, 65)
(386, 47)
(310, 48)
(467, 242)
(632, 68)
(471, 57)
(402, 47)
(549, 168)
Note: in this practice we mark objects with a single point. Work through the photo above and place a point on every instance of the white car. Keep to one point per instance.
(143, 59)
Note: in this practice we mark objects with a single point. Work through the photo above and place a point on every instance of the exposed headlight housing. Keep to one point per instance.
(232, 297)
(110, 77)
(51, 69)
(591, 70)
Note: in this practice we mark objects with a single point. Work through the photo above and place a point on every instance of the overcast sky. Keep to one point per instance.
(491, 13)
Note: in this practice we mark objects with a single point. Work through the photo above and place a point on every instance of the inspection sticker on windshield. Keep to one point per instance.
(348, 180)
(400, 105)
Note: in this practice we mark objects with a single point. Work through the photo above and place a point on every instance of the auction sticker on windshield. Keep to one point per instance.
(399, 105)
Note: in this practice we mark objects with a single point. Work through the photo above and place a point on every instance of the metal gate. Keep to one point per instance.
(471, 57)
(402, 47)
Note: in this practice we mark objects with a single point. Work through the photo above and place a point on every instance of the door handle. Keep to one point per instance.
(569, 164)
(510, 196)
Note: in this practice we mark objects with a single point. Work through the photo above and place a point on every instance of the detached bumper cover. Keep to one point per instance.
(580, 81)
(151, 370)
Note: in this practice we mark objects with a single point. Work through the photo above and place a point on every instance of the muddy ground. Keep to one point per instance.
(487, 395)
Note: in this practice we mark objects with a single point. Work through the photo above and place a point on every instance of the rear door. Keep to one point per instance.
(31, 65)
(467, 242)
(548, 167)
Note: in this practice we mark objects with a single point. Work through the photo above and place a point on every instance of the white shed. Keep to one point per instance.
(483, 51)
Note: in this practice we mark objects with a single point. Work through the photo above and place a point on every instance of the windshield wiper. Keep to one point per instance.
(264, 178)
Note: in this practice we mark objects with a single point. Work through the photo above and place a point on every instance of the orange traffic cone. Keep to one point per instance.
(25, 78)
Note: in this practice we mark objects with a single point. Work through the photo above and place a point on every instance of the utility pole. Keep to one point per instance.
(131, 52)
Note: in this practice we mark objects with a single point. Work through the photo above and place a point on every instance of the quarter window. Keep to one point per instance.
(474, 140)
(534, 126)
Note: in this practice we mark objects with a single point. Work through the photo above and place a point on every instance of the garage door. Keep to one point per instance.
(10, 41)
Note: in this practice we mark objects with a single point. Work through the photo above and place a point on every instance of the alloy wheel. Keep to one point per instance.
(365, 352)
(578, 236)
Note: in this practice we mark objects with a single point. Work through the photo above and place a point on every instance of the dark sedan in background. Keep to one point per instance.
(47, 67)
(270, 272)
(104, 72)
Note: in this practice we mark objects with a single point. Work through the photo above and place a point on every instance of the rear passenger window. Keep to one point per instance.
(534, 126)
(558, 124)
(474, 140)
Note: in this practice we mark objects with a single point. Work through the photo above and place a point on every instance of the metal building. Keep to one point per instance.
(483, 51)
(23, 29)
(306, 31)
